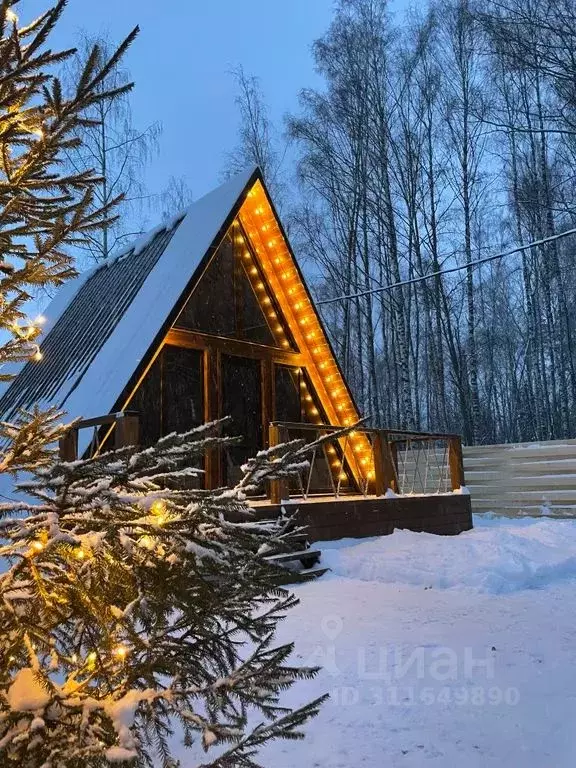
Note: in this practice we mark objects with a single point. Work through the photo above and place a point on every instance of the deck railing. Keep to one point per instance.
(370, 462)
(366, 461)
(123, 427)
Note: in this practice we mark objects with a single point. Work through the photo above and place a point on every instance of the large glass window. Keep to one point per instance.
(170, 397)
(242, 401)
(233, 300)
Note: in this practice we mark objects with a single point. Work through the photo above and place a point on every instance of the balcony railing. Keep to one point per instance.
(366, 461)
(121, 428)
(370, 462)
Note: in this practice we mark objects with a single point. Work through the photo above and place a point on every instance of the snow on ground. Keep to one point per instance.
(440, 651)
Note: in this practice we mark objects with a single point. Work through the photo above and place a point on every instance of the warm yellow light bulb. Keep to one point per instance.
(266, 300)
(37, 356)
(158, 509)
(37, 546)
(253, 271)
(260, 286)
(11, 16)
(121, 651)
(80, 554)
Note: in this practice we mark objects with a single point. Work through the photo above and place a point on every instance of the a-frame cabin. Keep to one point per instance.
(210, 316)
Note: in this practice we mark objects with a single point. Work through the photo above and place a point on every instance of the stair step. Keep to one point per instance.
(308, 555)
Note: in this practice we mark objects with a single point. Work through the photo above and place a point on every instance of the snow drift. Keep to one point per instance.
(493, 558)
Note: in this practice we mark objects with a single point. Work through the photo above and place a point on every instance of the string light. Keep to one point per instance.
(121, 651)
(37, 356)
(158, 509)
(279, 268)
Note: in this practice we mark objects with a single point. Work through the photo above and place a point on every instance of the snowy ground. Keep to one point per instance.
(441, 651)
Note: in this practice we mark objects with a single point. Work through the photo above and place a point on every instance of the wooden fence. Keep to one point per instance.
(525, 478)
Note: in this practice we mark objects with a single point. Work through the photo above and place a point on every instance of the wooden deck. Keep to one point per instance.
(328, 518)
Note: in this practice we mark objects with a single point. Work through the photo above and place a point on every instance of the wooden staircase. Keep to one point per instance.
(299, 563)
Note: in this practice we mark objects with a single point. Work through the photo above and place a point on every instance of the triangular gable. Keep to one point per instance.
(274, 274)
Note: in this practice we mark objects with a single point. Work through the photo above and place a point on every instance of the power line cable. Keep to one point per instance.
(448, 271)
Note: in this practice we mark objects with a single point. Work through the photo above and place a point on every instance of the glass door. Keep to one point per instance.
(241, 380)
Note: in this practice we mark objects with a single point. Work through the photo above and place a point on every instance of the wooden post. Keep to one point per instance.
(267, 369)
(278, 488)
(212, 457)
(456, 463)
(68, 446)
(393, 452)
(127, 430)
(384, 465)
(379, 472)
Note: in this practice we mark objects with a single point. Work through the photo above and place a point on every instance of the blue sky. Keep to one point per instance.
(181, 63)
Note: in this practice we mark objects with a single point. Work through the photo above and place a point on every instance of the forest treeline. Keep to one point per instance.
(439, 137)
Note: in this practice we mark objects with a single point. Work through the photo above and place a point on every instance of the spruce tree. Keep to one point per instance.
(133, 604)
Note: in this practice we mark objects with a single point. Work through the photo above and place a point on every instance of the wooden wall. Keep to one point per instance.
(523, 479)
(446, 514)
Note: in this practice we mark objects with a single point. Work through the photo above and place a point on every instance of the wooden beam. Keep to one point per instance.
(127, 430)
(212, 458)
(385, 474)
(278, 488)
(68, 445)
(456, 463)
(267, 369)
(179, 337)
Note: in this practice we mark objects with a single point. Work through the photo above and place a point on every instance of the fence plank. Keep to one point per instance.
(523, 478)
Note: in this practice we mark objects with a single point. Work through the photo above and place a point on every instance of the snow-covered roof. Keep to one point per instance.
(101, 325)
